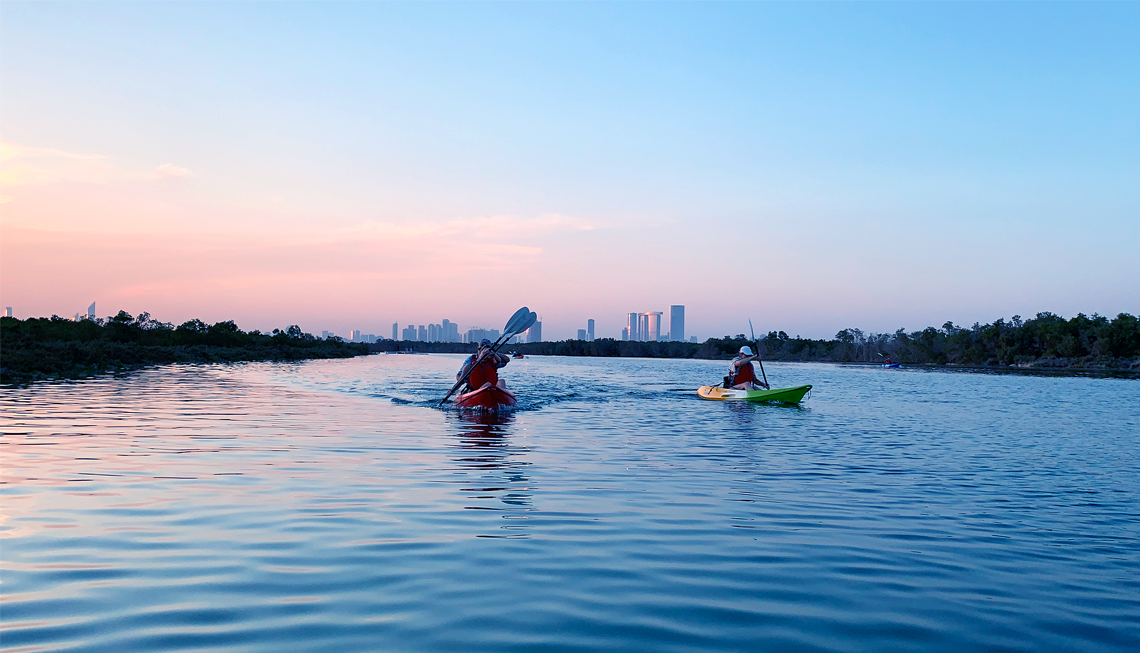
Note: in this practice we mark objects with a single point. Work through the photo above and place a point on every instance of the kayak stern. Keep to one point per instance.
(489, 397)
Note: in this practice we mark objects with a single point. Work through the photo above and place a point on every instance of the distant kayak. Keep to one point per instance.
(517, 356)
(891, 365)
(489, 397)
(781, 395)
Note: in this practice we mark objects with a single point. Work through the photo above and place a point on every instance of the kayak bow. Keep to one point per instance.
(780, 395)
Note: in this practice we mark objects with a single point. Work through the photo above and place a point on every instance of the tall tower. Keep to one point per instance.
(631, 325)
(91, 311)
(653, 325)
(395, 331)
(590, 330)
(534, 333)
(677, 323)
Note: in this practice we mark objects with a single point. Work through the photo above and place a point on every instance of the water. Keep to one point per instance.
(327, 506)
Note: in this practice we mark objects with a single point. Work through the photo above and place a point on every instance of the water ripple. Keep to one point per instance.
(328, 506)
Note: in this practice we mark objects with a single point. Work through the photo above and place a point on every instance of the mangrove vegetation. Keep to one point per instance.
(45, 348)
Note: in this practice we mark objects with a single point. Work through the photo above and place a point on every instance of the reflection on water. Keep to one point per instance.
(330, 505)
(497, 468)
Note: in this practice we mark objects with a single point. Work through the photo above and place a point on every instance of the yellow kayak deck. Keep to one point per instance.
(780, 395)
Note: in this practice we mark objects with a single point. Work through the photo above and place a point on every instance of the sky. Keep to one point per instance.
(809, 166)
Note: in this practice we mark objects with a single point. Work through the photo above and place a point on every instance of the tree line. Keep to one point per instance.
(39, 348)
(1044, 341)
(56, 347)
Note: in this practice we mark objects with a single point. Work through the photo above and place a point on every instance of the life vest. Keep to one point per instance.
(486, 371)
(744, 373)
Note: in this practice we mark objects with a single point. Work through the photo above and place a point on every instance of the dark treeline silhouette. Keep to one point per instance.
(39, 348)
(1046, 341)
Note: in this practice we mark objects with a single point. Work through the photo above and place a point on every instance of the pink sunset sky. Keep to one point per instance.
(350, 166)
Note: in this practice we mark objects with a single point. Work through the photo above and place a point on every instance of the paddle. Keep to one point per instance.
(522, 320)
(756, 343)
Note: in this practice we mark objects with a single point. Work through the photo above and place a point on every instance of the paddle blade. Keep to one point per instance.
(530, 320)
(517, 319)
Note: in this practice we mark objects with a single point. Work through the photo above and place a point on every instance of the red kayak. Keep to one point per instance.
(489, 397)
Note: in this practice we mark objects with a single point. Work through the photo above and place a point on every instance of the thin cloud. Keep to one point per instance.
(170, 171)
(25, 165)
(496, 227)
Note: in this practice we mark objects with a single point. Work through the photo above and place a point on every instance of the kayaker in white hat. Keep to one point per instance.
(741, 374)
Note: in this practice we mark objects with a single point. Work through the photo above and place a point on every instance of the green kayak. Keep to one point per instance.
(781, 395)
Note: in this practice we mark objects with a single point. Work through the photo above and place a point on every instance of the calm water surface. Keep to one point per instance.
(327, 506)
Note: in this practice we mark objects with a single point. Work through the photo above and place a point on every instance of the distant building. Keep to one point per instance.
(423, 333)
(8, 311)
(409, 333)
(324, 335)
(625, 333)
(677, 323)
(450, 331)
(632, 326)
(581, 334)
(395, 331)
(91, 311)
(590, 330)
(74, 319)
(693, 339)
(355, 335)
(646, 328)
(534, 333)
(653, 326)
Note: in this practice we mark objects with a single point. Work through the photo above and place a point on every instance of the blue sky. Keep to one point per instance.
(812, 166)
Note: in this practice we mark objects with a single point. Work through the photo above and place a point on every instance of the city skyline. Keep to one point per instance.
(870, 166)
(448, 331)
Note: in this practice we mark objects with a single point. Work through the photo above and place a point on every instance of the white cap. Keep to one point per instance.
(746, 350)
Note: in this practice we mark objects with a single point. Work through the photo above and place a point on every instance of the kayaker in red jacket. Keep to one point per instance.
(487, 371)
(741, 374)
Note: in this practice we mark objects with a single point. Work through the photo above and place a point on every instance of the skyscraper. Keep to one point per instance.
(631, 326)
(91, 311)
(625, 333)
(355, 335)
(653, 326)
(677, 323)
(581, 334)
(534, 333)
(423, 334)
(395, 330)
(590, 330)
(7, 311)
